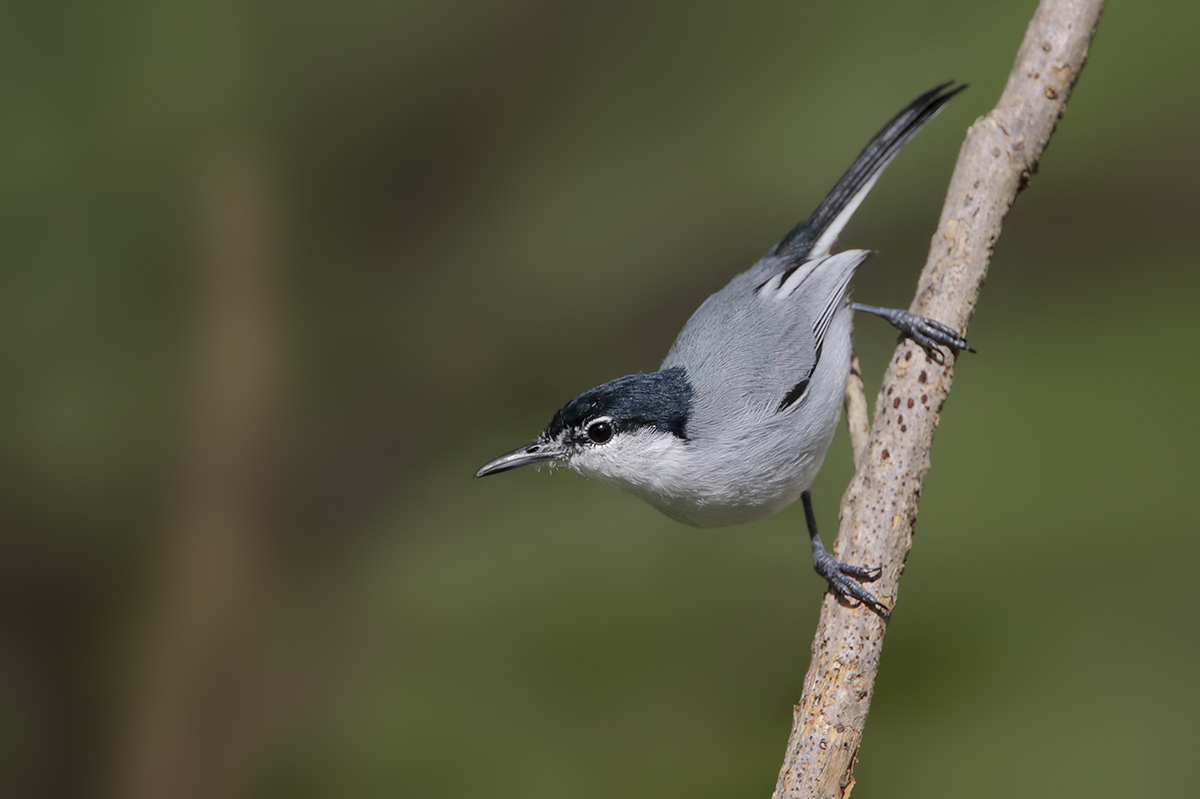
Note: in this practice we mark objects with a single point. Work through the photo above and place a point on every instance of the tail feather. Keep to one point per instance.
(815, 236)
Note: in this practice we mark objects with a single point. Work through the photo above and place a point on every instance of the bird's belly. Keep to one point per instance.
(757, 486)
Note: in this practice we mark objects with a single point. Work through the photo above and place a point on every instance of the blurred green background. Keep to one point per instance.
(278, 277)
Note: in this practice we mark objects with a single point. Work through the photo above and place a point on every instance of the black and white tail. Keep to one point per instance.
(814, 237)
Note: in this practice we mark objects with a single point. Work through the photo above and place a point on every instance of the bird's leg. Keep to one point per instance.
(927, 332)
(845, 579)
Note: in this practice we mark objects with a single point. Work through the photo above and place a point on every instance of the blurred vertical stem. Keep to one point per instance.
(858, 425)
(999, 154)
(209, 560)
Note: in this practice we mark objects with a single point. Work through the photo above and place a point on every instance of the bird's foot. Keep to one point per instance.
(927, 333)
(846, 580)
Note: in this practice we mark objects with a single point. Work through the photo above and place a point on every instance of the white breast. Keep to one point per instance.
(738, 468)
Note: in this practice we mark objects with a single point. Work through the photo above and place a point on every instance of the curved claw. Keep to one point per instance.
(940, 333)
(863, 573)
(927, 333)
(930, 346)
(844, 580)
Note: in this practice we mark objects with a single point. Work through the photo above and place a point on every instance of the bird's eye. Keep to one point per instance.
(600, 430)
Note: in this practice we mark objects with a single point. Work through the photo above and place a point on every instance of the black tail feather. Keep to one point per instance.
(799, 242)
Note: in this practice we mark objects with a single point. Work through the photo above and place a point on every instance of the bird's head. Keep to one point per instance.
(621, 431)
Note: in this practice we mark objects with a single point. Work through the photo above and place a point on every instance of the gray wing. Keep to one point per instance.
(753, 345)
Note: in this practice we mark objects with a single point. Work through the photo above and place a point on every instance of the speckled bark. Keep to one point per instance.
(1001, 151)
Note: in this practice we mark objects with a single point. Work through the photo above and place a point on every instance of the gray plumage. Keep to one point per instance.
(750, 457)
(736, 423)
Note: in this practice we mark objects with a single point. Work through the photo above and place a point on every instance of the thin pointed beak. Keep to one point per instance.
(537, 452)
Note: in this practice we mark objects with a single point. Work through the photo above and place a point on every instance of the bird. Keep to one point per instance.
(736, 422)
